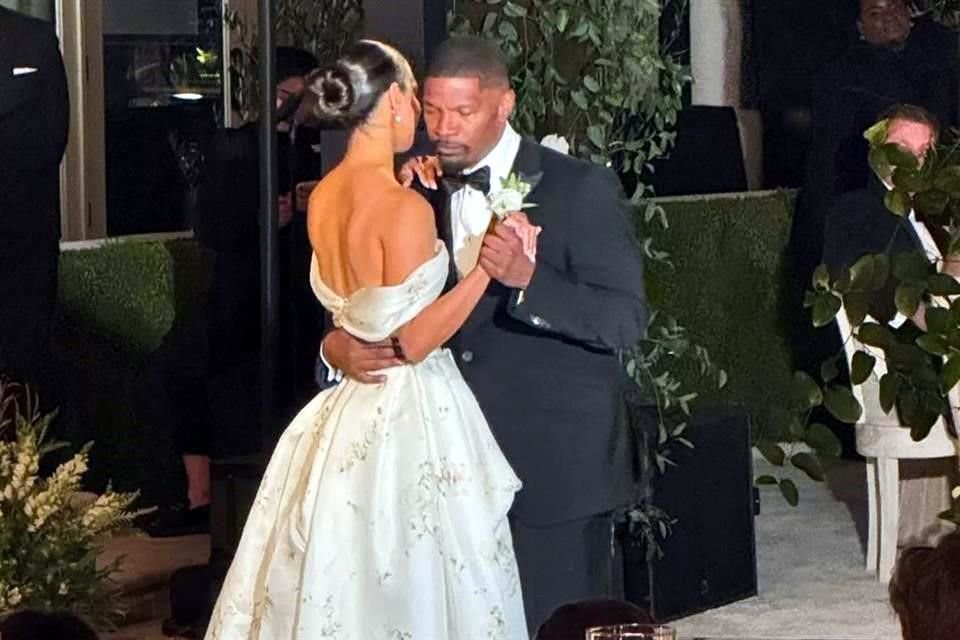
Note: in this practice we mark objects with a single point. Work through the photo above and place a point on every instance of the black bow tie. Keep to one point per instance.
(479, 180)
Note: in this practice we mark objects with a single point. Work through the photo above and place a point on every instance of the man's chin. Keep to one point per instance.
(451, 163)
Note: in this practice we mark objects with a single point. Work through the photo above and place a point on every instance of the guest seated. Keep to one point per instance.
(925, 591)
(37, 625)
(571, 621)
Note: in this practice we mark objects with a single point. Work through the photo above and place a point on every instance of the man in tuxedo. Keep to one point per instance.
(859, 224)
(540, 349)
(34, 114)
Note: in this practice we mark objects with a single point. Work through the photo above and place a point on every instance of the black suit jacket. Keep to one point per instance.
(858, 223)
(544, 368)
(34, 117)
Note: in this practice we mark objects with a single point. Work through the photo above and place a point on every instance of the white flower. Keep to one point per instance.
(14, 597)
(556, 142)
(505, 201)
(513, 189)
(956, 493)
(63, 589)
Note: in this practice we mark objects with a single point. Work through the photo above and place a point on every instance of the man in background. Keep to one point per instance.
(34, 119)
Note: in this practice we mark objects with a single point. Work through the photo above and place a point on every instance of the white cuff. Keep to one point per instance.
(333, 374)
(896, 323)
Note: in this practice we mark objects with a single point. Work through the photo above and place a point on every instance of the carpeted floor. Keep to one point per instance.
(812, 581)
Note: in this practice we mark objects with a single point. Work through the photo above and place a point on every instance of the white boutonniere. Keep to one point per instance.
(513, 189)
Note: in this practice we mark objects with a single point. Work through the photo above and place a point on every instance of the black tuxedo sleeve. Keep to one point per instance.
(598, 298)
(47, 130)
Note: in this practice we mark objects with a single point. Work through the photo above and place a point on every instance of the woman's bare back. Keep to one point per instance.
(351, 213)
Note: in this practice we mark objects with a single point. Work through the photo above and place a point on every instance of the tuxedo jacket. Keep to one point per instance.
(34, 117)
(859, 223)
(543, 365)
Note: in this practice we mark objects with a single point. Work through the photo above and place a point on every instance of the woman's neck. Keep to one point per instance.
(371, 146)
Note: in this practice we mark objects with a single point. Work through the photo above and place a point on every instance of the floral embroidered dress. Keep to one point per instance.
(383, 511)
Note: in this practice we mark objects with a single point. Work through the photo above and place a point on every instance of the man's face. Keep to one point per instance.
(464, 119)
(915, 137)
(885, 23)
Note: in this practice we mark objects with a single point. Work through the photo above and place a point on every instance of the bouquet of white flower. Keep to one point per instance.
(49, 543)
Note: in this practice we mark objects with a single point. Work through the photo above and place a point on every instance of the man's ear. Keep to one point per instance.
(508, 101)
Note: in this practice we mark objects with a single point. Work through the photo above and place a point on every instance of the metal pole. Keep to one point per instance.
(269, 280)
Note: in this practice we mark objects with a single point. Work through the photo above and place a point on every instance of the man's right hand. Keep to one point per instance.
(424, 168)
(358, 359)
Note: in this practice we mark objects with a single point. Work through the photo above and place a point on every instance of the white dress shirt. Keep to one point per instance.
(469, 211)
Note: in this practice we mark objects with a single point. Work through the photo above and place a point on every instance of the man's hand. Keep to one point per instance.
(502, 257)
(424, 168)
(356, 358)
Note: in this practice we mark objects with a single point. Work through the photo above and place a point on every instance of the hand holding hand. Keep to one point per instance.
(509, 251)
(358, 359)
(424, 168)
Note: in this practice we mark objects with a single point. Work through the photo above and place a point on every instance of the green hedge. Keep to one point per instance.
(726, 287)
(125, 311)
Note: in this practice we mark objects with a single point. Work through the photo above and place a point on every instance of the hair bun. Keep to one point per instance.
(335, 95)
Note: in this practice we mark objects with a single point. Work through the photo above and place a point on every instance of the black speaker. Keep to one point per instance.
(709, 559)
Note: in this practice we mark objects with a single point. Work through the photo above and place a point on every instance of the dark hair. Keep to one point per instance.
(912, 113)
(31, 625)
(470, 57)
(294, 62)
(925, 591)
(348, 90)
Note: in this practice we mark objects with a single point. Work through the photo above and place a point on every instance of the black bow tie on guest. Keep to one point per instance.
(479, 180)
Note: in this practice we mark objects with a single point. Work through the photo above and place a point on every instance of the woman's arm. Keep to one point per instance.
(410, 241)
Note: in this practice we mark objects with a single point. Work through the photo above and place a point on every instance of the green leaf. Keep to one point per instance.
(910, 180)
(861, 273)
(898, 202)
(809, 465)
(829, 370)
(950, 374)
(940, 284)
(579, 99)
(840, 402)
(948, 179)
(821, 278)
(825, 308)
(875, 335)
(931, 203)
(879, 163)
(889, 389)
(514, 10)
(933, 344)
(596, 136)
(508, 32)
(907, 298)
(856, 306)
(900, 157)
(798, 430)
(876, 135)
(861, 367)
(772, 452)
(938, 320)
(789, 491)
(807, 390)
(765, 480)
(591, 84)
(881, 271)
(822, 440)
(911, 266)
(563, 17)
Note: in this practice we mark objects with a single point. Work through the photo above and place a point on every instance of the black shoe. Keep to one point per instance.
(178, 520)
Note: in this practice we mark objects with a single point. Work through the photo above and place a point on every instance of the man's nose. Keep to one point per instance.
(445, 125)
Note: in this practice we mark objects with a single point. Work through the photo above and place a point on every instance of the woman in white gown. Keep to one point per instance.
(383, 511)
